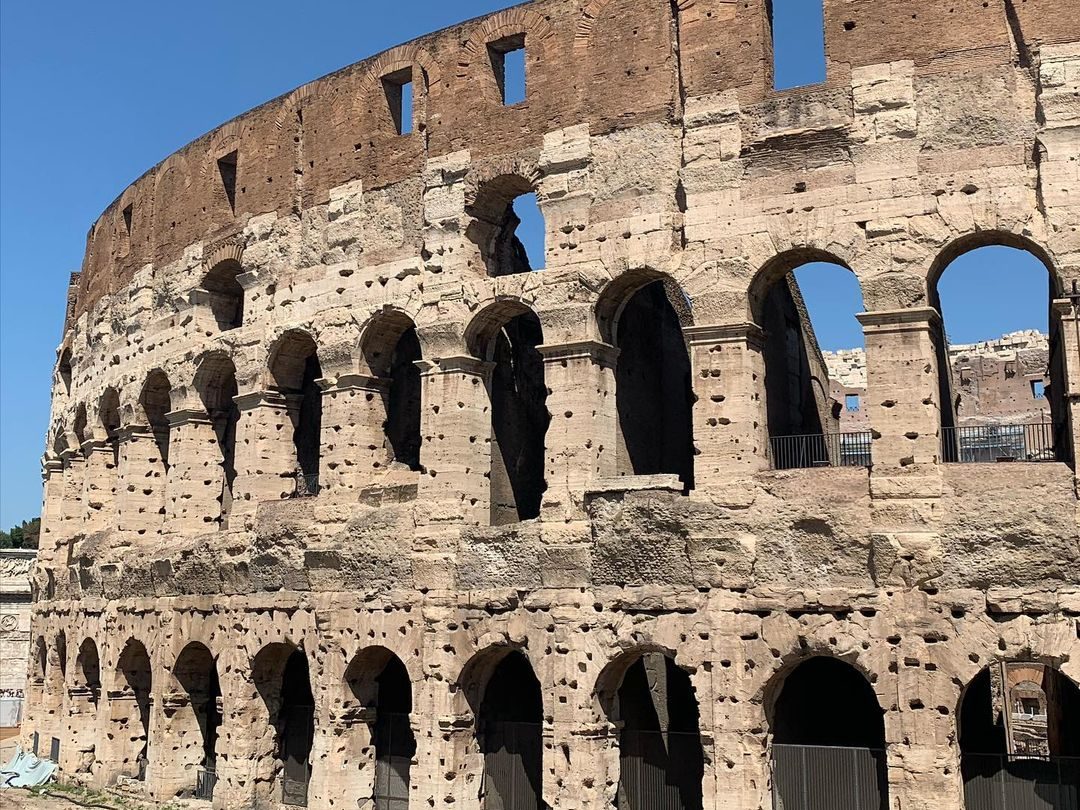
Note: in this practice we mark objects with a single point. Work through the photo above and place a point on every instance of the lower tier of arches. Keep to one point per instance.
(648, 697)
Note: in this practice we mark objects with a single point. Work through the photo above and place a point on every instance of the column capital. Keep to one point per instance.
(597, 351)
(50, 466)
(913, 318)
(459, 364)
(353, 382)
(188, 416)
(91, 446)
(128, 432)
(745, 332)
(263, 399)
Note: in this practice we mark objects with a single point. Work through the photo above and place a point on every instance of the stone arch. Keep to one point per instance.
(215, 383)
(518, 22)
(155, 403)
(489, 202)
(507, 704)
(652, 703)
(64, 370)
(281, 676)
(642, 313)
(821, 708)
(224, 293)
(79, 425)
(506, 333)
(88, 670)
(295, 371)
(583, 33)
(193, 715)
(129, 712)
(953, 250)
(109, 418)
(388, 351)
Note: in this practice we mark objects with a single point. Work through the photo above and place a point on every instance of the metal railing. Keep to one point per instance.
(849, 449)
(513, 757)
(54, 750)
(205, 780)
(808, 777)
(660, 770)
(307, 486)
(395, 746)
(35, 744)
(992, 443)
(1015, 782)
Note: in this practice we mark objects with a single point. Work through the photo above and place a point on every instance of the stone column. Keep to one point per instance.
(99, 487)
(52, 511)
(142, 478)
(265, 455)
(455, 425)
(81, 740)
(903, 392)
(583, 433)
(353, 436)
(196, 481)
(731, 426)
(73, 512)
(1067, 423)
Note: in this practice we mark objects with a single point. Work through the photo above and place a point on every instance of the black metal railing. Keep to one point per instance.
(307, 486)
(395, 747)
(807, 777)
(35, 743)
(1020, 782)
(205, 780)
(513, 757)
(54, 750)
(849, 449)
(993, 443)
(660, 770)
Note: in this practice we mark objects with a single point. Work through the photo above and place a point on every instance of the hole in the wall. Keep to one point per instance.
(399, 89)
(227, 169)
(508, 62)
(128, 213)
(798, 42)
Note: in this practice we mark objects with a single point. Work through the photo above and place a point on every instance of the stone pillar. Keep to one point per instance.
(902, 385)
(73, 512)
(52, 511)
(142, 478)
(80, 743)
(731, 426)
(99, 487)
(583, 433)
(1067, 423)
(196, 480)
(455, 425)
(353, 436)
(265, 455)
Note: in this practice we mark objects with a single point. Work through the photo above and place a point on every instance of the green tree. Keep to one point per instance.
(25, 535)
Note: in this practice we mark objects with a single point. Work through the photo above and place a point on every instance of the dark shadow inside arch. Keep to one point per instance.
(88, 670)
(500, 233)
(281, 675)
(661, 759)
(1007, 404)
(110, 422)
(403, 401)
(1019, 725)
(63, 369)
(510, 728)
(653, 389)
(196, 672)
(296, 371)
(216, 383)
(828, 739)
(377, 678)
(156, 404)
(226, 294)
(130, 710)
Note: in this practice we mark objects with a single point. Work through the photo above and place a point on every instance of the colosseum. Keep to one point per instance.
(346, 505)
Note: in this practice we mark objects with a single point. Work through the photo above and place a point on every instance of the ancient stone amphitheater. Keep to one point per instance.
(347, 505)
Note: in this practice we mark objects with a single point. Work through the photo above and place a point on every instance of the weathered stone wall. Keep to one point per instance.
(658, 154)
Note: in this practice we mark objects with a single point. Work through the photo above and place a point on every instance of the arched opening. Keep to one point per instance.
(281, 675)
(226, 296)
(61, 658)
(506, 697)
(196, 719)
(63, 370)
(79, 425)
(651, 700)
(507, 226)
(88, 671)
(805, 302)
(643, 315)
(109, 412)
(130, 710)
(216, 383)
(827, 720)
(1001, 354)
(295, 370)
(41, 660)
(156, 403)
(378, 681)
(1019, 725)
(391, 350)
(84, 694)
(507, 335)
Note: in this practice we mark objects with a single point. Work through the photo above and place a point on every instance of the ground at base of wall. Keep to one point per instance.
(61, 796)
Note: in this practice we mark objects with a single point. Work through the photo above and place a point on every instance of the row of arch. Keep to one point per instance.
(816, 706)
(642, 314)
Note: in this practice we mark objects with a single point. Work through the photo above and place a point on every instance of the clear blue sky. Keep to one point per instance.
(94, 94)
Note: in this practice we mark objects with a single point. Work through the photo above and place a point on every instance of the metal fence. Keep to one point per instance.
(850, 449)
(660, 770)
(205, 780)
(1012, 782)
(54, 750)
(992, 443)
(513, 756)
(395, 747)
(307, 486)
(809, 777)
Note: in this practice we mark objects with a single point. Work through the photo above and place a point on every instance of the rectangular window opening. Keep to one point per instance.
(798, 42)
(128, 212)
(508, 62)
(227, 167)
(399, 96)
(851, 402)
(1038, 389)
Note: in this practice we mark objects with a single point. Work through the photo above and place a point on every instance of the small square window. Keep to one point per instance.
(1029, 706)
(399, 96)
(852, 402)
(1038, 389)
(508, 62)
